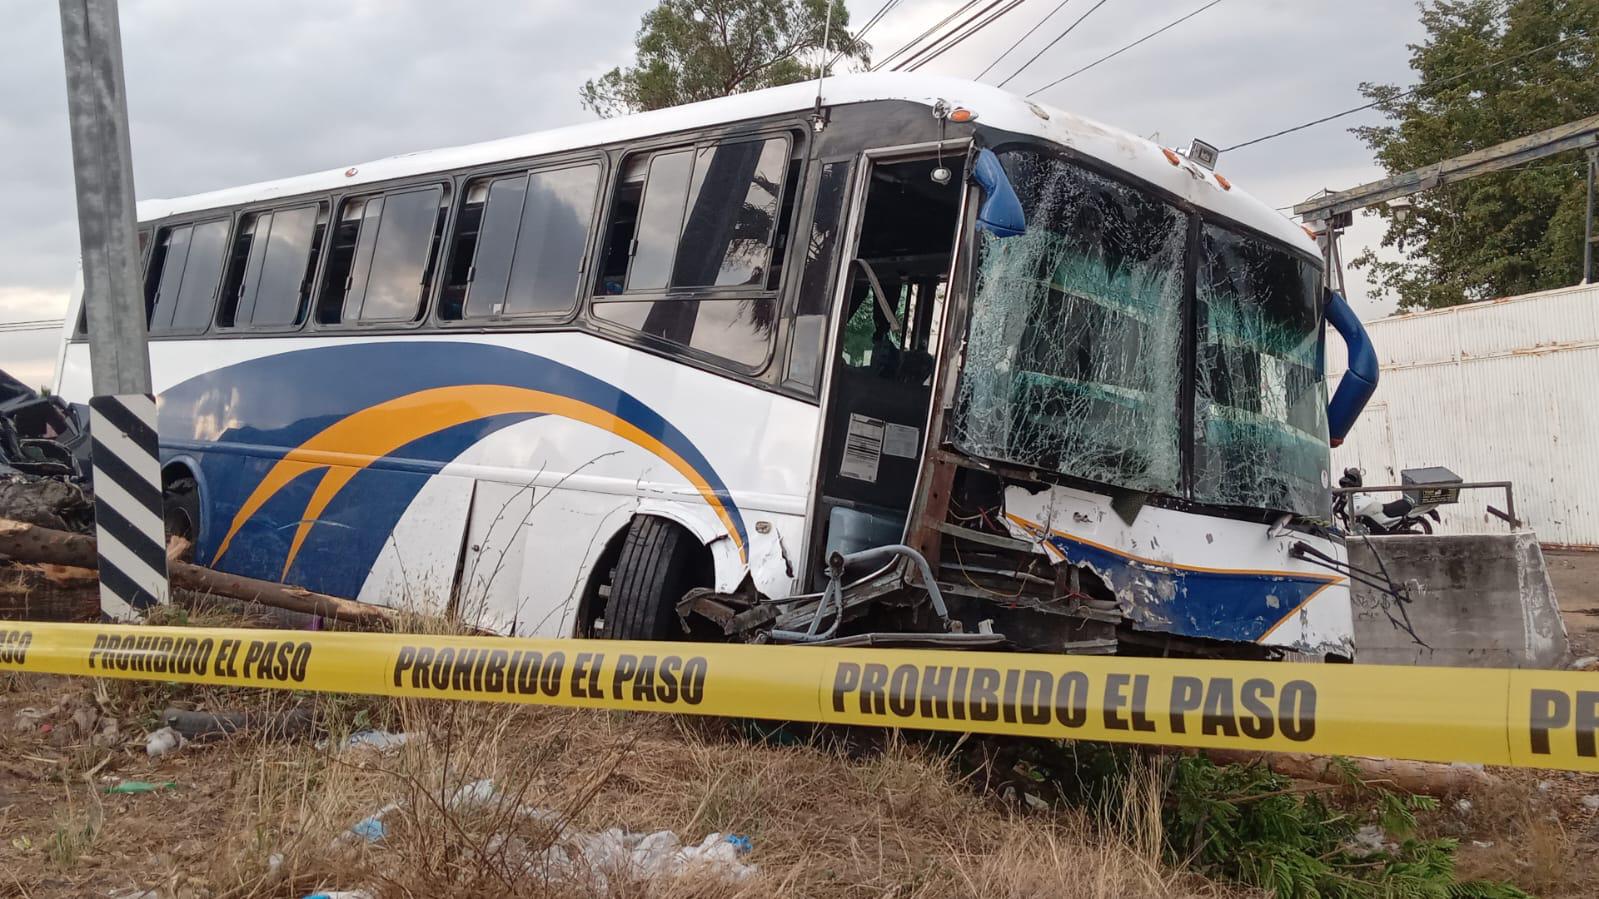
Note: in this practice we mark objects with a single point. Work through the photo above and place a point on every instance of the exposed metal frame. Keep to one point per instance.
(1583, 133)
(1508, 515)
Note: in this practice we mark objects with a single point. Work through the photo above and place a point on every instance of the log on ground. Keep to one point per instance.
(1424, 778)
(29, 543)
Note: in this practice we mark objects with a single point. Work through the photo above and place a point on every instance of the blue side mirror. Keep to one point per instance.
(1359, 380)
(1001, 212)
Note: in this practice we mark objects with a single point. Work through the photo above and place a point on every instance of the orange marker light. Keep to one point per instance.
(1171, 156)
(960, 115)
(1225, 184)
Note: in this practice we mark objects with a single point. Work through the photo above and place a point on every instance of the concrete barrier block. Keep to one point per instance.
(1480, 600)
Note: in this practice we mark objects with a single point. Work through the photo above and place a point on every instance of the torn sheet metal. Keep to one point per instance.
(1192, 575)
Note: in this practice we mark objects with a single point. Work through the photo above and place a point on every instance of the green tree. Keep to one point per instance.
(691, 50)
(1508, 233)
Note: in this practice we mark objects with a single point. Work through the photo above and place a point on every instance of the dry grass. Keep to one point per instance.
(1534, 833)
(894, 821)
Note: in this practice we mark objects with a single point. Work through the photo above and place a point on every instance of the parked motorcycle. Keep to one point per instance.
(1367, 513)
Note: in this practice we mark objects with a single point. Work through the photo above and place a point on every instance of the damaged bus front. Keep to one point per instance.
(1130, 441)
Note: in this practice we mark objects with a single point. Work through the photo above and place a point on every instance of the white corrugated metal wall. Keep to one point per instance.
(1506, 390)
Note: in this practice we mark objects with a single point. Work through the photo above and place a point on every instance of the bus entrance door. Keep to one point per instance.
(875, 417)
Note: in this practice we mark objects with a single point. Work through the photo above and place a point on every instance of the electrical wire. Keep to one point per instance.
(1069, 29)
(1406, 93)
(1112, 55)
(914, 59)
(876, 17)
(1012, 48)
(954, 40)
(32, 325)
(920, 37)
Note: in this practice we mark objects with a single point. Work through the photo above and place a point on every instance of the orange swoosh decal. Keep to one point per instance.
(378, 431)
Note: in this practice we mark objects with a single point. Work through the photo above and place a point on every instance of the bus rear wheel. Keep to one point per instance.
(659, 563)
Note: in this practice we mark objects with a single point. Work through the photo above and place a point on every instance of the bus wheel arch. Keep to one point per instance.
(657, 559)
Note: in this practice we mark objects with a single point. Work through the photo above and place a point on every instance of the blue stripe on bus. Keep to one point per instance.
(271, 405)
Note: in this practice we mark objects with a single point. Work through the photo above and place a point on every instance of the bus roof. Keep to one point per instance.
(1142, 158)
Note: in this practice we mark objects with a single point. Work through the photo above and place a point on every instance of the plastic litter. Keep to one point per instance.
(161, 742)
(370, 829)
(380, 740)
(140, 786)
(596, 860)
(341, 894)
(476, 794)
(1591, 802)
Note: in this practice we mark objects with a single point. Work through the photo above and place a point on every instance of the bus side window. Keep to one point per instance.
(184, 273)
(270, 269)
(383, 255)
(519, 244)
(693, 230)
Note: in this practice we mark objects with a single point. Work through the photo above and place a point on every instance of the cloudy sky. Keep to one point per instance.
(225, 92)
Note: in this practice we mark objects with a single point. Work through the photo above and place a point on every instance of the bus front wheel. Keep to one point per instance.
(659, 563)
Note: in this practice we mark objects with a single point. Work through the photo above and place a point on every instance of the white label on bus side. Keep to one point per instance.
(901, 441)
(863, 448)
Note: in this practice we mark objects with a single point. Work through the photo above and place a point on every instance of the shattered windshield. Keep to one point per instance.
(1260, 404)
(1073, 359)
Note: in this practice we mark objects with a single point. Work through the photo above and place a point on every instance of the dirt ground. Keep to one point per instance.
(468, 808)
(1575, 576)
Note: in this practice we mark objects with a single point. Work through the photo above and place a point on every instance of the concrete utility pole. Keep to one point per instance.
(124, 447)
(102, 162)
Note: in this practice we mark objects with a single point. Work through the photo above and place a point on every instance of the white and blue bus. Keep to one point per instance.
(688, 373)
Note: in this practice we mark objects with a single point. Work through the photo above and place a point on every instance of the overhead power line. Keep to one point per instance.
(1012, 48)
(915, 41)
(1428, 85)
(876, 17)
(956, 38)
(35, 325)
(1112, 55)
(1069, 29)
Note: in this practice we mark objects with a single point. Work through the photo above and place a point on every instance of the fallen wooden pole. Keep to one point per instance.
(31, 543)
(1425, 778)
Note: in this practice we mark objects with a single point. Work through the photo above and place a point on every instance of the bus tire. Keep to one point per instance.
(180, 504)
(655, 569)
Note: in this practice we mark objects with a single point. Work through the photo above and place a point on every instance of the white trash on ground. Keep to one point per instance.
(162, 741)
(592, 859)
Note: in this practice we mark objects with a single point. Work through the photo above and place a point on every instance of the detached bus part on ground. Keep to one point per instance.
(897, 359)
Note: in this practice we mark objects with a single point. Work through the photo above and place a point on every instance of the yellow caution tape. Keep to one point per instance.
(1544, 719)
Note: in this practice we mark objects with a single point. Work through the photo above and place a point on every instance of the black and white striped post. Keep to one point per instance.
(122, 419)
(128, 523)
